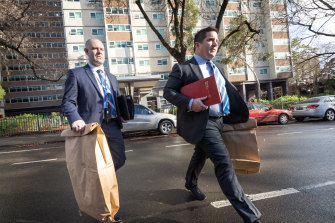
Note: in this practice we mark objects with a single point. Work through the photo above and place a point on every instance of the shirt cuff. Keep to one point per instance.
(190, 105)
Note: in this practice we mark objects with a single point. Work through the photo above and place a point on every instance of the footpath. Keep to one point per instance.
(26, 140)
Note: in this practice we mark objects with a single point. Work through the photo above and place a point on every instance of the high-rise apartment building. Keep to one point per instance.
(136, 56)
(25, 92)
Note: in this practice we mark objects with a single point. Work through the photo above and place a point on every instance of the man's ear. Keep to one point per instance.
(86, 51)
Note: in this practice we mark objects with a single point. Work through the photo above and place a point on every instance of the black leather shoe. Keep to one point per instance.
(117, 218)
(196, 192)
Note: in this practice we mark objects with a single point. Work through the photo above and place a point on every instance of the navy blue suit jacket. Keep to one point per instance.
(82, 99)
(191, 125)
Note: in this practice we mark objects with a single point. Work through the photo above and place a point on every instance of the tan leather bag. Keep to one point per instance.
(92, 172)
(241, 142)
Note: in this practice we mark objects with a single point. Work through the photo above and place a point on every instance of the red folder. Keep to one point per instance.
(201, 88)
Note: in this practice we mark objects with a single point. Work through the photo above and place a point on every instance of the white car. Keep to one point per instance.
(145, 119)
(316, 107)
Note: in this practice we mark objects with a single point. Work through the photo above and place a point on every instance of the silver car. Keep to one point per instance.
(145, 119)
(317, 107)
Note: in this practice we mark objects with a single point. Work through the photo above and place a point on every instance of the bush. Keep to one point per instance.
(284, 102)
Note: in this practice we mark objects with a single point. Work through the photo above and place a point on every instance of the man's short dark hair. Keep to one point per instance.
(201, 35)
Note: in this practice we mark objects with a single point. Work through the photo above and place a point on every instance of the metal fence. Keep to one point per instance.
(11, 126)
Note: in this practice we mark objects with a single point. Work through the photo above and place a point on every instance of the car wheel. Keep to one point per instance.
(283, 119)
(330, 115)
(165, 127)
(300, 119)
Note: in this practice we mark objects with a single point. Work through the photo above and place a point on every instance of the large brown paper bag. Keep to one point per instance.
(241, 142)
(92, 172)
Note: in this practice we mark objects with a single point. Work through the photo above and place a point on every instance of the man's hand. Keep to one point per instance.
(198, 106)
(78, 125)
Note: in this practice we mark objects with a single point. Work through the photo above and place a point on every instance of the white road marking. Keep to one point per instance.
(29, 150)
(130, 150)
(272, 194)
(179, 145)
(37, 161)
(288, 133)
(329, 129)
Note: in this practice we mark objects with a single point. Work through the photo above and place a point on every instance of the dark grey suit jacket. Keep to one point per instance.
(82, 99)
(191, 125)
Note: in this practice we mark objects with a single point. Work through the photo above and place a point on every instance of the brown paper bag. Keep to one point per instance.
(241, 142)
(92, 172)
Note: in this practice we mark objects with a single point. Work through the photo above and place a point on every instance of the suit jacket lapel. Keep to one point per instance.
(196, 69)
(113, 84)
(92, 78)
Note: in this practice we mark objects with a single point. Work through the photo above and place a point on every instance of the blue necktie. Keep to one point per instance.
(220, 83)
(108, 97)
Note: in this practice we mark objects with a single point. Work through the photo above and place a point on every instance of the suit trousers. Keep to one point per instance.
(212, 146)
(115, 142)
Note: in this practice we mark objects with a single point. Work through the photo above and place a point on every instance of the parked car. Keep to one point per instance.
(316, 107)
(263, 113)
(145, 119)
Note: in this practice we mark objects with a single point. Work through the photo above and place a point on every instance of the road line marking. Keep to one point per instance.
(37, 161)
(272, 194)
(288, 133)
(329, 129)
(29, 150)
(179, 145)
(130, 150)
(317, 185)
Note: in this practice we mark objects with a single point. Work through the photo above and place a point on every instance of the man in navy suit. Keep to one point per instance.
(90, 96)
(202, 125)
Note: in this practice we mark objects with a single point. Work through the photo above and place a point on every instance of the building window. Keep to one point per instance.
(157, 16)
(118, 28)
(261, 44)
(160, 47)
(96, 15)
(283, 69)
(144, 62)
(78, 48)
(75, 15)
(280, 41)
(142, 47)
(120, 44)
(278, 2)
(162, 62)
(281, 55)
(263, 71)
(138, 16)
(141, 32)
(125, 60)
(279, 28)
(231, 13)
(117, 11)
(97, 32)
(161, 31)
(277, 14)
(257, 4)
(76, 32)
(210, 3)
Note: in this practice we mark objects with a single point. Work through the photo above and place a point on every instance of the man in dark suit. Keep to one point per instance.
(90, 96)
(202, 125)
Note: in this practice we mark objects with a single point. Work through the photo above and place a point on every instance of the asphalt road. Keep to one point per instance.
(296, 182)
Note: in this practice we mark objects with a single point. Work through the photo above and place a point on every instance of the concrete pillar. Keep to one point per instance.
(244, 92)
(285, 87)
(270, 91)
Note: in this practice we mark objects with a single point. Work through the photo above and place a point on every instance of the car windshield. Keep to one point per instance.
(259, 106)
(140, 110)
(310, 100)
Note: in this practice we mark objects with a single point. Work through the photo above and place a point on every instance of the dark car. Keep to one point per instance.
(263, 113)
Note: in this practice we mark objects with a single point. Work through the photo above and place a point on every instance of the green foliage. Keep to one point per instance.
(330, 83)
(2, 92)
(173, 110)
(284, 102)
(31, 123)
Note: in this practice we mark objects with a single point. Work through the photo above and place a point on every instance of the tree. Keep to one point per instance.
(183, 16)
(2, 92)
(306, 68)
(242, 47)
(17, 16)
(313, 20)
